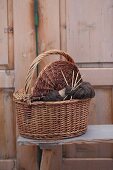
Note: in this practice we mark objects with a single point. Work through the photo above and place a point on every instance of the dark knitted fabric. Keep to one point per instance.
(52, 96)
(84, 91)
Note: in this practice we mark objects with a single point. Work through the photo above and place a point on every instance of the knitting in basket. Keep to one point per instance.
(57, 106)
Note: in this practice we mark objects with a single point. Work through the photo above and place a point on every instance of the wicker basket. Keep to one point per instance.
(50, 120)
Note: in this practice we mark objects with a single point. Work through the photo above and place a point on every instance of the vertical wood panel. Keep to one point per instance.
(88, 164)
(101, 107)
(48, 31)
(24, 40)
(62, 19)
(7, 125)
(8, 164)
(89, 30)
(10, 36)
(7, 78)
(88, 151)
(100, 113)
(9, 51)
(57, 159)
(3, 35)
(49, 38)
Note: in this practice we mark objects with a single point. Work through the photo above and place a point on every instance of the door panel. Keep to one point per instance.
(3, 33)
(90, 30)
(7, 116)
(86, 29)
(7, 125)
(25, 52)
(101, 106)
(88, 164)
(88, 35)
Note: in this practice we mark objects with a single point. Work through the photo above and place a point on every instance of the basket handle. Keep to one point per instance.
(36, 62)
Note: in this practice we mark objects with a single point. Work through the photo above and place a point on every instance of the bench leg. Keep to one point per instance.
(46, 161)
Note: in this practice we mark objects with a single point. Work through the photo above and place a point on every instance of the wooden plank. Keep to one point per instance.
(94, 134)
(3, 35)
(7, 79)
(25, 48)
(57, 158)
(97, 115)
(89, 30)
(7, 125)
(87, 163)
(9, 164)
(56, 162)
(49, 29)
(52, 159)
(10, 43)
(46, 159)
(49, 38)
(83, 32)
(25, 52)
(98, 76)
(99, 150)
(10, 36)
(101, 113)
(62, 15)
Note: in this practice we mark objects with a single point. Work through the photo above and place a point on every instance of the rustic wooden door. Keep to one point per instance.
(84, 29)
(7, 117)
(89, 29)
(17, 50)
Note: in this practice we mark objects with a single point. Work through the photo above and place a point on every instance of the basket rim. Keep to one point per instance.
(50, 102)
(60, 102)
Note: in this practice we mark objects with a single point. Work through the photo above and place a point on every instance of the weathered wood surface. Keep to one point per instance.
(9, 164)
(95, 76)
(46, 161)
(87, 164)
(7, 125)
(89, 30)
(7, 79)
(49, 29)
(101, 107)
(3, 33)
(25, 52)
(62, 13)
(87, 38)
(6, 38)
(49, 38)
(51, 159)
(10, 36)
(94, 134)
(57, 158)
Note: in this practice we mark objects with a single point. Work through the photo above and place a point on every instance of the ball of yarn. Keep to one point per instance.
(84, 91)
(52, 96)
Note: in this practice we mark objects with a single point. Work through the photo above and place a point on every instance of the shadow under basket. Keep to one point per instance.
(50, 120)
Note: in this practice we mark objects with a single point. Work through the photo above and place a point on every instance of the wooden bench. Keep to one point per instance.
(94, 134)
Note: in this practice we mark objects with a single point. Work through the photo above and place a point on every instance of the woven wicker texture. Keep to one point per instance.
(51, 78)
(38, 59)
(51, 120)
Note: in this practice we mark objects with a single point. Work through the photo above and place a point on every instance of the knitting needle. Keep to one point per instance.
(73, 78)
(64, 78)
